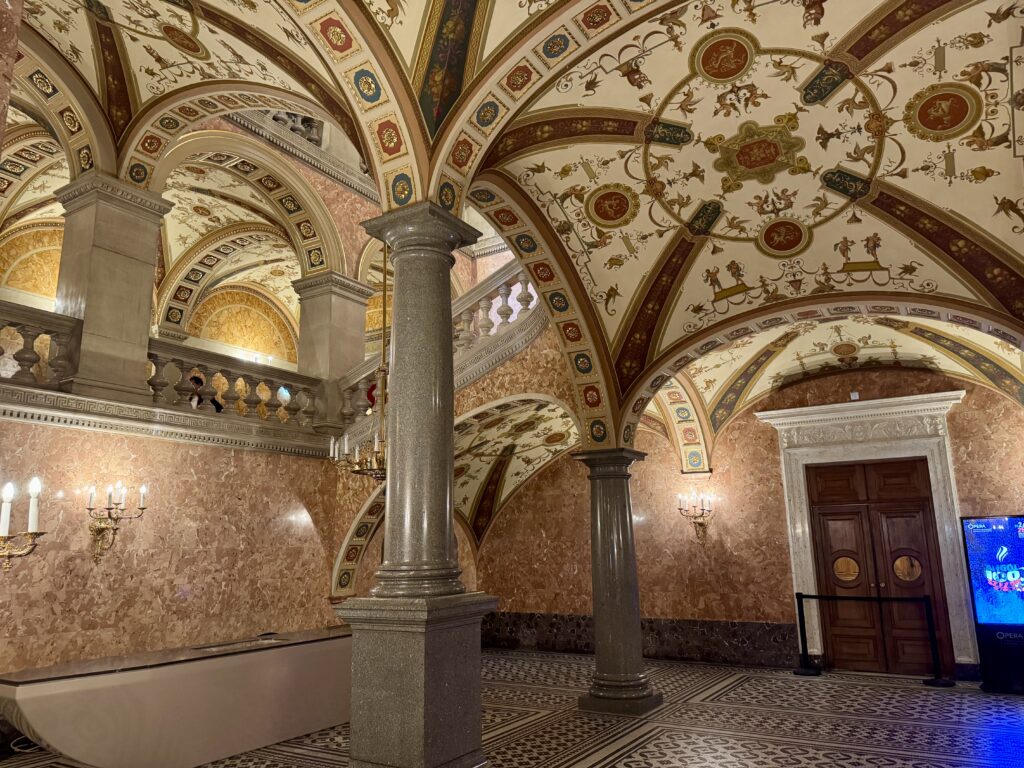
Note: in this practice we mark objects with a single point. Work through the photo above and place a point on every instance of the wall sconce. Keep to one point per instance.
(698, 510)
(106, 520)
(24, 543)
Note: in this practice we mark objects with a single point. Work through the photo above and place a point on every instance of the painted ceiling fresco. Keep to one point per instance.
(721, 161)
(730, 378)
(499, 447)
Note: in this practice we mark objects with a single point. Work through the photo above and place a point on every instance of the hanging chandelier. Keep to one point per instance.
(370, 458)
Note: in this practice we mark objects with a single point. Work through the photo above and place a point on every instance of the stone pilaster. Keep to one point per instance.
(107, 268)
(10, 22)
(330, 337)
(416, 641)
(620, 683)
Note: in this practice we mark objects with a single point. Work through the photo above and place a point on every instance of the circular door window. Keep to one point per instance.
(907, 568)
(845, 569)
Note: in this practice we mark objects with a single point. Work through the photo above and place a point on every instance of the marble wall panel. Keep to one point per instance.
(536, 555)
(234, 543)
(540, 368)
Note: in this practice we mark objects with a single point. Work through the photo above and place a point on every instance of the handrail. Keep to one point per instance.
(808, 669)
(487, 286)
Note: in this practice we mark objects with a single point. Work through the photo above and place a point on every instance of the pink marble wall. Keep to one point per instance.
(536, 556)
(234, 543)
(539, 368)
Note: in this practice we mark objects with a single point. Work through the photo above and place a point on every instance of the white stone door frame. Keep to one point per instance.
(872, 430)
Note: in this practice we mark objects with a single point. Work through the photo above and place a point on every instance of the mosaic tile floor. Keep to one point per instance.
(713, 717)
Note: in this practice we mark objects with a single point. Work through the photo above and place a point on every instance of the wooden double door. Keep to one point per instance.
(874, 535)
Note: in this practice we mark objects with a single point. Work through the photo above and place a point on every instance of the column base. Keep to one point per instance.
(478, 760)
(416, 680)
(624, 695)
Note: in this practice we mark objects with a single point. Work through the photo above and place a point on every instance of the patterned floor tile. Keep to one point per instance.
(714, 717)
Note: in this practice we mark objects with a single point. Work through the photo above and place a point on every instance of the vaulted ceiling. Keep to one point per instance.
(676, 176)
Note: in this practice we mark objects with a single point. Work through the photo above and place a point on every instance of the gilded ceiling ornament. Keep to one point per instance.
(943, 111)
(612, 205)
(759, 152)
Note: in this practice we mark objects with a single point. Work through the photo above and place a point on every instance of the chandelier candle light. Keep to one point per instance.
(698, 510)
(24, 543)
(372, 462)
(106, 520)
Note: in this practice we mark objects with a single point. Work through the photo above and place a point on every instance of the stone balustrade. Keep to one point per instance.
(245, 390)
(495, 316)
(36, 346)
(492, 306)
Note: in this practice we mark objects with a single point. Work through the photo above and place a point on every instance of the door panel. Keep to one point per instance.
(846, 567)
(898, 480)
(908, 566)
(836, 484)
(885, 545)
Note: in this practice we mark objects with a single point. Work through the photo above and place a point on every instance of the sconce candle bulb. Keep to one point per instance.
(24, 543)
(698, 511)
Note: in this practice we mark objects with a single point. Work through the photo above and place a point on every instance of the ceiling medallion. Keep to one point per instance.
(724, 57)
(184, 42)
(783, 237)
(758, 152)
(612, 205)
(943, 111)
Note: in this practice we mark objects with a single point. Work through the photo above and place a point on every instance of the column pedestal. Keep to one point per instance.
(107, 269)
(620, 683)
(416, 681)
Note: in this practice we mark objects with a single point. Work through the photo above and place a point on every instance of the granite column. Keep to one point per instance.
(416, 640)
(620, 683)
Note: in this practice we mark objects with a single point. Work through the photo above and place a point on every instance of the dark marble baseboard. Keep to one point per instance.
(726, 642)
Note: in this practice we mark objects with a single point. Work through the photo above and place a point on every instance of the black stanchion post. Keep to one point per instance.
(806, 669)
(936, 680)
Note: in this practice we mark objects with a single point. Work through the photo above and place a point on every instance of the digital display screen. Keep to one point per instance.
(995, 559)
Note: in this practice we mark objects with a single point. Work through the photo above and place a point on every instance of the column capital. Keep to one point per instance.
(86, 189)
(325, 283)
(609, 462)
(425, 225)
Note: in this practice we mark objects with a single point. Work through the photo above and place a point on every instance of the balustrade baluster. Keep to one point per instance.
(525, 297)
(468, 337)
(362, 404)
(252, 398)
(231, 396)
(273, 402)
(206, 391)
(293, 407)
(59, 362)
(157, 382)
(26, 357)
(347, 411)
(486, 325)
(309, 411)
(182, 387)
(505, 310)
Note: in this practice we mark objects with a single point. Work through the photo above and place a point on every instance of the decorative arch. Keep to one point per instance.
(183, 286)
(686, 421)
(538, 248)
(30, 257)
(167, 121)
(303, 215)
(691, 348)
(72, 110)
(246, 318)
